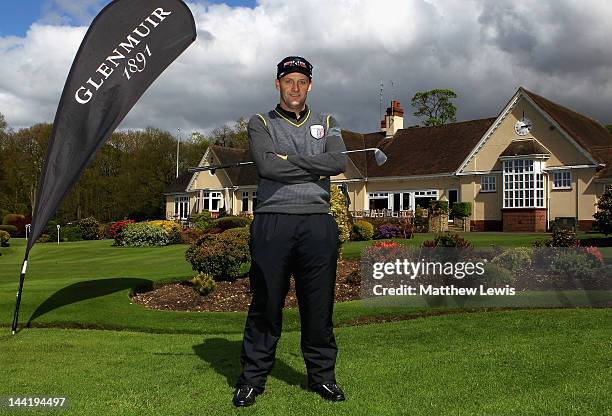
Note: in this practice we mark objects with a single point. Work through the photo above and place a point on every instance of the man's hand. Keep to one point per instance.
(285, 157)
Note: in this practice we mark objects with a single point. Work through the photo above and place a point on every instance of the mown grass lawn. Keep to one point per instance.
(546, 361)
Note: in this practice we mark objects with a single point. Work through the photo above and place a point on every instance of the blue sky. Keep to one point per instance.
(18, 15)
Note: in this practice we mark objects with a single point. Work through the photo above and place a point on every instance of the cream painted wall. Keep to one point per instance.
(580, 200)
(562, 151)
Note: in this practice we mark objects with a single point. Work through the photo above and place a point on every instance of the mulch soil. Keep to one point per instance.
(235, 296)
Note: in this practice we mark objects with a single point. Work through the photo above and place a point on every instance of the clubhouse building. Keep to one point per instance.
(534, 162)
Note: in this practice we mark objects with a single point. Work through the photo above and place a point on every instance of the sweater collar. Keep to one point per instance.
(290, 114)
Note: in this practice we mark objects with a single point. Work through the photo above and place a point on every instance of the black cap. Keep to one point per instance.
(293, 64)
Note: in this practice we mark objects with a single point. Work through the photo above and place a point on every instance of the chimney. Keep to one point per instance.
(394, 119)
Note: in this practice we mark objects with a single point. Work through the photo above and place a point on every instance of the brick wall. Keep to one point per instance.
(486, 225)
(524, 219)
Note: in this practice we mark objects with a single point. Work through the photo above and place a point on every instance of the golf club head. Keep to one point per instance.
(380, 157)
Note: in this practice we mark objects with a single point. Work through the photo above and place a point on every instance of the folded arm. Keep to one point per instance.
(268, 163)
(332, 161)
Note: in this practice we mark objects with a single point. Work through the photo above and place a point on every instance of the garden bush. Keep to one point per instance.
(564, 238)
(90, 228)
(68, 233)
(171, 228)
(362, 231)
(117, 226)
(230, 221)
(11, 229)
(514, 258)
(190, 235)
(204, 284)
(447, 240)
(461, 209)
(4, 238)
(438, 207)
(19, 221)
(575, 264)
(202, 220)
(142, 234)
(220, 255)
(389, 231)
(495, 274)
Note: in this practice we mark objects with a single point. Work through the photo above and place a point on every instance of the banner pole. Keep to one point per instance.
(21, 279)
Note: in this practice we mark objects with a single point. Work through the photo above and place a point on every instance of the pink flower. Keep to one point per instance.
(594, 251)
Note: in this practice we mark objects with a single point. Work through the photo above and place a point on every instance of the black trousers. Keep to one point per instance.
(305, 245)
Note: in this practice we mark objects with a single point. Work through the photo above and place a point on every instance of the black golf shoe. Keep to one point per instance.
(245, 395)
(329, 391)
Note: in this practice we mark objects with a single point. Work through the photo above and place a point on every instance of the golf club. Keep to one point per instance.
(379, 156)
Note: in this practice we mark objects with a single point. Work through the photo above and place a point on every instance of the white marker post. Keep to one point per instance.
(58, 228)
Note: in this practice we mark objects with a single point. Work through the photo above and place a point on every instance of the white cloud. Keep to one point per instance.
(483, 50)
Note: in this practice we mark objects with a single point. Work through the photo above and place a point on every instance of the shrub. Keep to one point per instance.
(142, 235)
(202, 220)
(389, 231)
(575, 264)
(204, 284)
(68, 233)
(514, 258)
(51, 227)
(564, 238)
(19, 221)
(90, 228)
(362, 230)
(438, 207)
(117, 226)
(496, 274)
(220, 255)
(171, 228)
(44, 238)
(447, 240)
(338, 208)
(11, 229)
(404, 226)
(4, 238)
(190, 235)
(230, 221)
(461, 209)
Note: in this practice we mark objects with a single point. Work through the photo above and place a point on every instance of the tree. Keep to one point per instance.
(609, 127)
(603, 216)
(435, 105)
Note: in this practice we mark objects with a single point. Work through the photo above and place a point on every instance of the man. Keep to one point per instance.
(295, 151)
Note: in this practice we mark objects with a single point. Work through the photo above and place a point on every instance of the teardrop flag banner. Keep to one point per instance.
(128, 45)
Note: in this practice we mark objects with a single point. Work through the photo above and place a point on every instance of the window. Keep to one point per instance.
(378, 200)
(245, 201)
(181, 207)
(212, 201)
(254, 200)
(523, 184)
(562, 179)
(487, 184)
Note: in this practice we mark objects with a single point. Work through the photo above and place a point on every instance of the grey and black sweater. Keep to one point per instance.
(313, 144)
